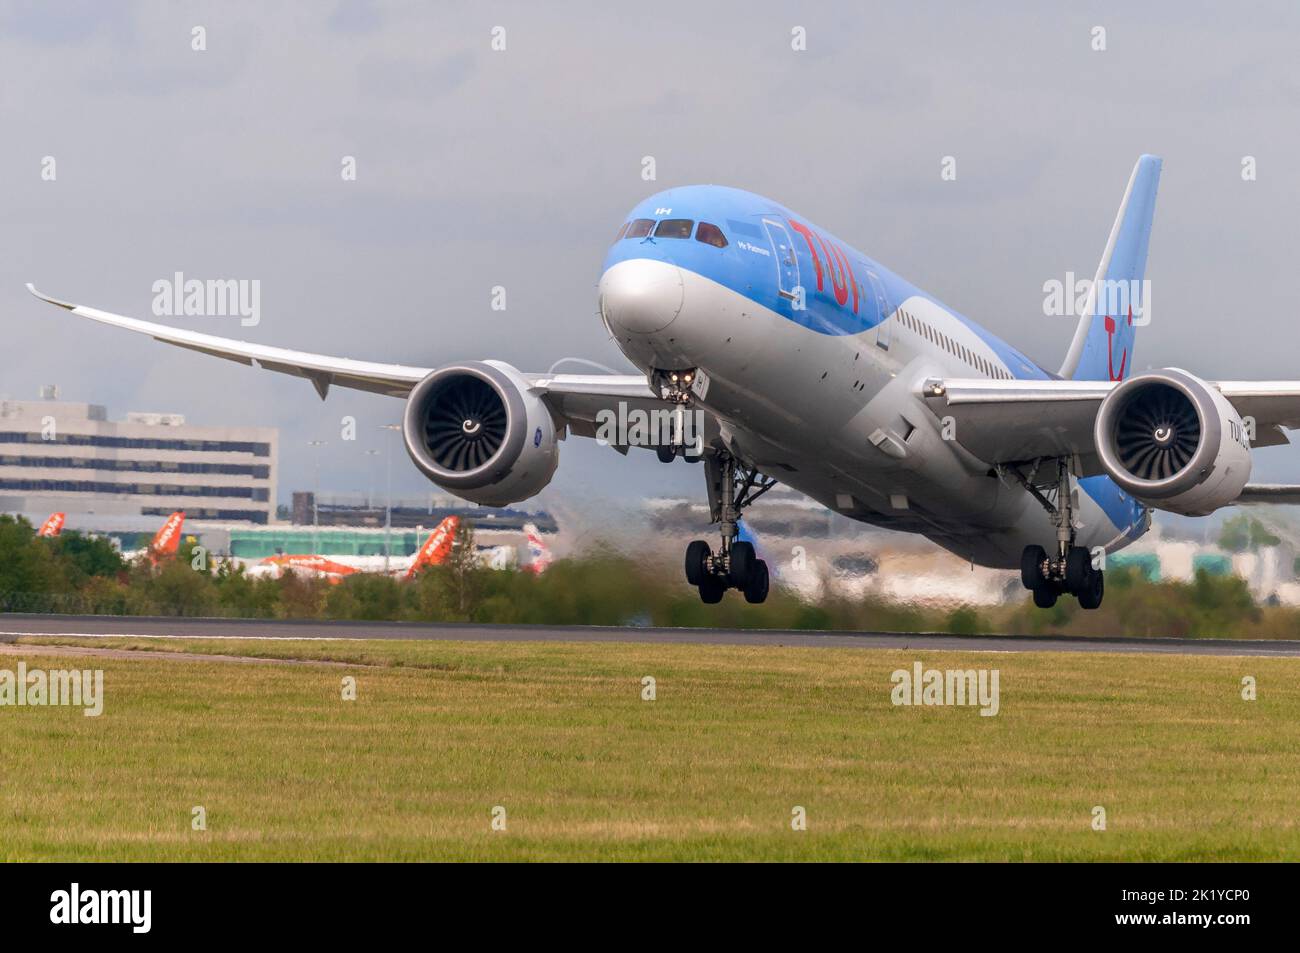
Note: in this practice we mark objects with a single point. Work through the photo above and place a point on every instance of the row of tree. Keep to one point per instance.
(73, 573)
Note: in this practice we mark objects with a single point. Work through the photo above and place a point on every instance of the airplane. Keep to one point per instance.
(52, 526)
(310, 565)
(432, 553)
(539, 554)
(436, 548)
(805, 361)
(166, 542)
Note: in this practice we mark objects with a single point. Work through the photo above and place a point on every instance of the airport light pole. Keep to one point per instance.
(315, 498)
(388, 500)
(370, 475)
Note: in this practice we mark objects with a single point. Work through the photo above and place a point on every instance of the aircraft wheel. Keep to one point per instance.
(1044, 597)
(1091, 597)
(1078, 570)
(697, 563)
(756, 588)
(743, 561)
(1031, 567)
(665, 453)
(711, 590)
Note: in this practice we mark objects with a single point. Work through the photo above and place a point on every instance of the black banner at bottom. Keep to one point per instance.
(232, 901)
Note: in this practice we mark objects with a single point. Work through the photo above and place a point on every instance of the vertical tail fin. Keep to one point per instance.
(436, 547)
(538, 552)
(52, 526)
(168, 539)
(1119, 300)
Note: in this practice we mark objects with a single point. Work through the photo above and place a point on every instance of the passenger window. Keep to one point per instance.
(640, 228)
(674, 228)
(622, 231)
(710, 235)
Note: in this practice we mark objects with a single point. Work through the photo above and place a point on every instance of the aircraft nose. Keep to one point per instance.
(641, 296)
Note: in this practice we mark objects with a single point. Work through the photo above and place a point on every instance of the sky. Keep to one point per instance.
(478, 168)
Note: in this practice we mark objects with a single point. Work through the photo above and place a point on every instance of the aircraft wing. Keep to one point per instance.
(322, 370)
(1266, 493)
(1017, 421)
(574, 398)
(579, 398)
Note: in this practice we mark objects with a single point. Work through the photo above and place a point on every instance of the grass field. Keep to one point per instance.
(559, 736)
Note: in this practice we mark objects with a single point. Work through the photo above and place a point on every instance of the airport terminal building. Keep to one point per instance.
(116, 474)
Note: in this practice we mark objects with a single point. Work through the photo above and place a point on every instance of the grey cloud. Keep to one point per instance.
(480, 168)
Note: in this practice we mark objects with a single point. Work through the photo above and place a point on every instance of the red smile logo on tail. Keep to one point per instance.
(1110, 348)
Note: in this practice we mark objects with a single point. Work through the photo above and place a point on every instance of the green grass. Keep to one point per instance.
(558, 735)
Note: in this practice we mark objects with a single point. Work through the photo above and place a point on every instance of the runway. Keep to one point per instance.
(13, 626)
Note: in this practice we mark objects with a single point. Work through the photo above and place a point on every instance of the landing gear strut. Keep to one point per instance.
(735, 565)
(675, 387)
(1070, 569)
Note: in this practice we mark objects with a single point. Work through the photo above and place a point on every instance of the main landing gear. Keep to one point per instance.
(1070, 570)
(735, 565)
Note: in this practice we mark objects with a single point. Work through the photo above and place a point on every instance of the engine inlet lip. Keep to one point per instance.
(1202, 461)
(512, 444)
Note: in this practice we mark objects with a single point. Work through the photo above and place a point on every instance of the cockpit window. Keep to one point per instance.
(640, 228)
(622, 231)
(710, 235)
(674, 228)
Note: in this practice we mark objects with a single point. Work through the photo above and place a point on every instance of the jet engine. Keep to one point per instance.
(477, 431)
(1174, 442)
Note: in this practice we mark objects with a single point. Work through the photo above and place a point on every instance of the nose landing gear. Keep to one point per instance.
(675, 386)
(735, 565)
(1070, 570)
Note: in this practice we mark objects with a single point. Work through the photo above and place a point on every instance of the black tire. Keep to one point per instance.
(697, 562)
(1091, 597)
(743, 561)
(711, 590)
(1078, 570)
(1031, 567)
(665, 453)
(756, 588)
(1044, 597)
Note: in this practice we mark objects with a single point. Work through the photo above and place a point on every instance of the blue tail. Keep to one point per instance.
(1119, 302)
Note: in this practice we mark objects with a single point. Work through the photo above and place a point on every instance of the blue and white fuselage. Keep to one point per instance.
(814, 356)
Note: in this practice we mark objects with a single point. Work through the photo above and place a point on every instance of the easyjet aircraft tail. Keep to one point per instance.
(52, 526)
(436, 547)
(168, 539)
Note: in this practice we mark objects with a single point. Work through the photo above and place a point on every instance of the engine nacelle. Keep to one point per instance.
(1173, 442)
(476, 431)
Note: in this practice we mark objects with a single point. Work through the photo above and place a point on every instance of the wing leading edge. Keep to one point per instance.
(395, 380)
(575, 399)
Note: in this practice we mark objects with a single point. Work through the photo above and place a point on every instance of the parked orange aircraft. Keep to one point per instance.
(434, 551)
(316, 565)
